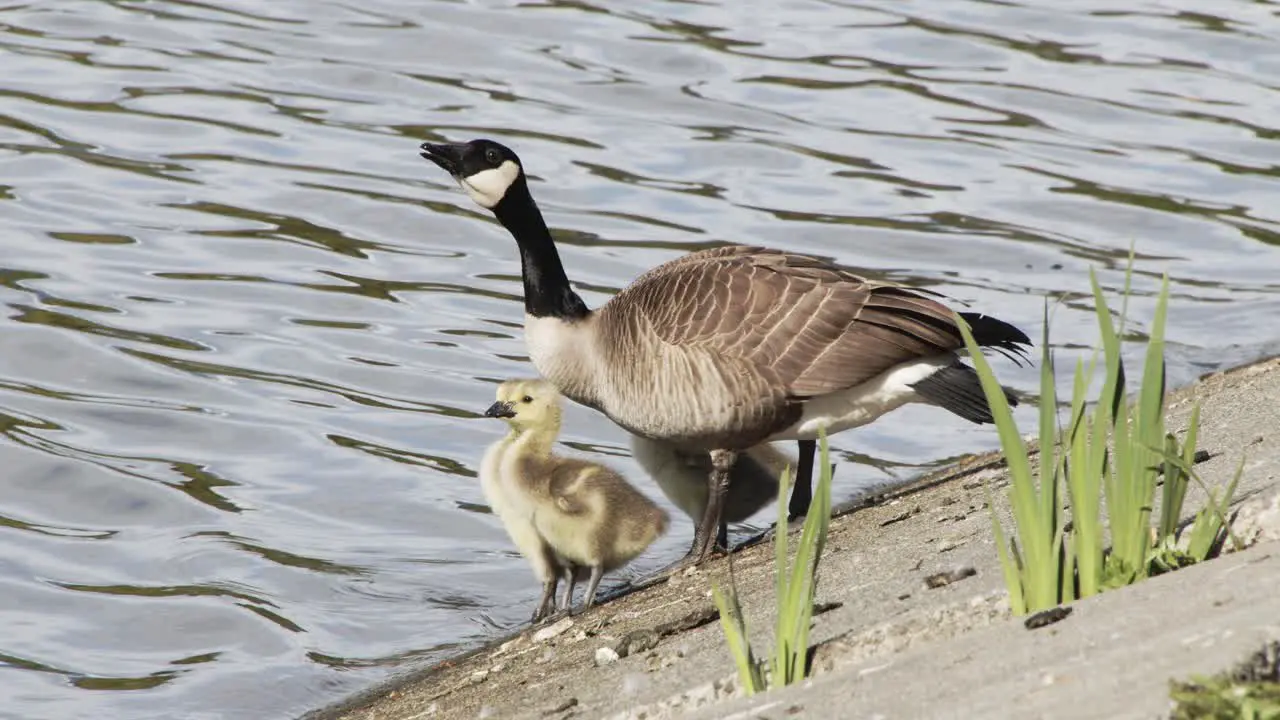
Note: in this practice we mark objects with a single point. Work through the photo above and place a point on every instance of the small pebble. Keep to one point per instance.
(562, 706)
(637, 641)
(551, 631)
(1046, 617)
(943, 579)
(606, 656)
(510, 645)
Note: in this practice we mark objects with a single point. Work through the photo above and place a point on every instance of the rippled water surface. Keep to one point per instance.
(248, 332)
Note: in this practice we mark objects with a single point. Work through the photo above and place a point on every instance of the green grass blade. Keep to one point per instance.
(1212, 518)
(1148, 427)
(1033, 529)
(1008, 564)
(1068, 581)
(781, 554)
(735, 633)
(1051, 516)
(1128, 522)
(795, 612)
(1176, 478)
(1084, 487)
(1113, 377)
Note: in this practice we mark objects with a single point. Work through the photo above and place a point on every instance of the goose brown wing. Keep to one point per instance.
(811, 326)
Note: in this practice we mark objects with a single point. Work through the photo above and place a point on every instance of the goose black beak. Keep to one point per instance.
(500, 410)
(447, 155)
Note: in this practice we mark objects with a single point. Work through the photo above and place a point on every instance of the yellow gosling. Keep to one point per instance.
(568, 516)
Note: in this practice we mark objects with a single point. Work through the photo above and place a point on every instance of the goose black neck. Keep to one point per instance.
(547, 292)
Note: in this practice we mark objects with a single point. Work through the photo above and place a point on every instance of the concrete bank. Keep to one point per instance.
(913, 619)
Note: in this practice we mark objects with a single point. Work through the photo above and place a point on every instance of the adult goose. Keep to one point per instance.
(722, 349)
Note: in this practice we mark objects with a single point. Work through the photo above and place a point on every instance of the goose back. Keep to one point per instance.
(734, 340)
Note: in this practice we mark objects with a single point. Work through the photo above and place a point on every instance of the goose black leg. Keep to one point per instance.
(802, 491)
(705, 536)
(722, 536)
(711, 526)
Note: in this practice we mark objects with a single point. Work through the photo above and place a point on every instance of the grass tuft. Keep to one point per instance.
(1251, 690)
(1112, 450)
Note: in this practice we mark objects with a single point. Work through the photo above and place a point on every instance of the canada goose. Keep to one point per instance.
(566, 515)
(682, 477)
(725, 348)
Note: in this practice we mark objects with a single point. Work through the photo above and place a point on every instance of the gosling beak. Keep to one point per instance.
(447, 155)
(500, 410)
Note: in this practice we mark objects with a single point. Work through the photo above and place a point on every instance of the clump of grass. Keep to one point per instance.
(1250, 691)
(1114, 451)
(795, 587)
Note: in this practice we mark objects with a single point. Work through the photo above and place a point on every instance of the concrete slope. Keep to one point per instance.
(913, 622)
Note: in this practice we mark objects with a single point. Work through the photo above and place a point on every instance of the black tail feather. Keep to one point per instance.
(999, 336)
(958, 389)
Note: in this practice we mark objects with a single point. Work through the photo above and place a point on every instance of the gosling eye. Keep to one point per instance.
(491, 156)
(527, 399)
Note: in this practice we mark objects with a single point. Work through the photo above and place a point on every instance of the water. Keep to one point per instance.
(248, 332)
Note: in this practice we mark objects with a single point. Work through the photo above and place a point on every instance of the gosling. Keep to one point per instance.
(570, 517)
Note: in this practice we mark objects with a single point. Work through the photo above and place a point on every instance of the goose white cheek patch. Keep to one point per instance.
(488, 186)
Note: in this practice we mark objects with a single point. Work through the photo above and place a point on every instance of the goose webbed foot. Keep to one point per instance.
(712, 527)
(713, 530)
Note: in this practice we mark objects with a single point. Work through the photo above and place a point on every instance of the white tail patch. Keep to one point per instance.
(487, 187)
(864, 403)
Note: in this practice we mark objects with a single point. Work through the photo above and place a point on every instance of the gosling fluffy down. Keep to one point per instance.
(570, 517)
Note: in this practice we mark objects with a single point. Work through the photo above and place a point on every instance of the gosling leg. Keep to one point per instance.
(547, 603)
(597, 572)
(569, 573)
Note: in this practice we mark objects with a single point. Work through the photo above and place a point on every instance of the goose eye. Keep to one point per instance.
(527, 399)
(491, 156)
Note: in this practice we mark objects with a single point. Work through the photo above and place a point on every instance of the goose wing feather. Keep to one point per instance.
(804, 323)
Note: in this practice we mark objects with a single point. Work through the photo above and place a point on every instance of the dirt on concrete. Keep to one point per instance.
(912, 618)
